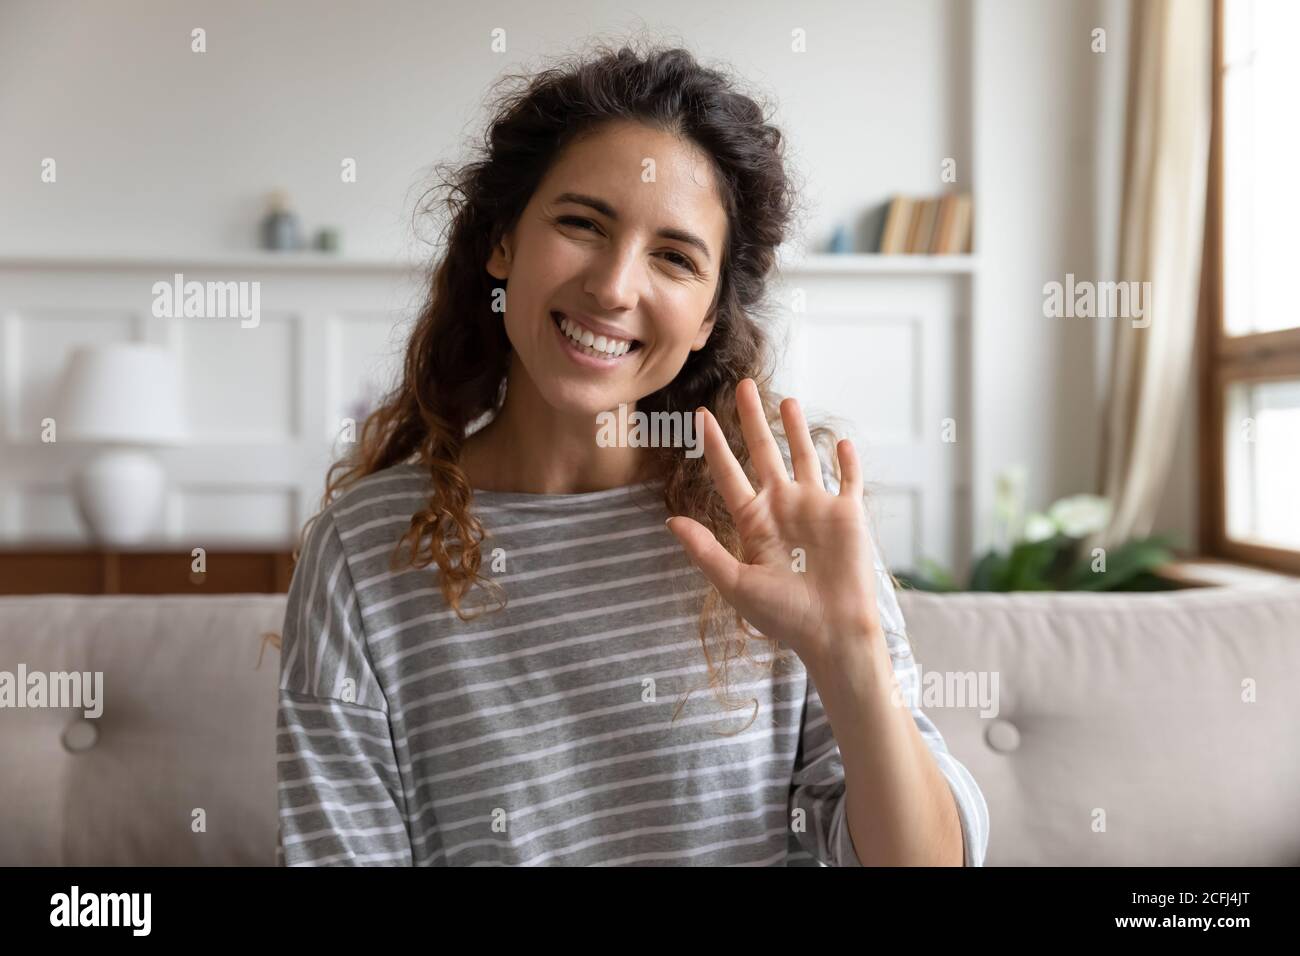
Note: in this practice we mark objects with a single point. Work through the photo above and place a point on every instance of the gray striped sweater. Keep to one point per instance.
(572, 727)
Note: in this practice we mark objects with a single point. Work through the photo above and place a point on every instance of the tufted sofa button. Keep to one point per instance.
(1002, 736)
(80, 735)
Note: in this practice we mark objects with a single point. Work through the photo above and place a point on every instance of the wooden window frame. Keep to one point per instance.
(1227, 360)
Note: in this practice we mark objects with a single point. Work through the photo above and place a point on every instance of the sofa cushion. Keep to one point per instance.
(188, 724)
(1126, 732)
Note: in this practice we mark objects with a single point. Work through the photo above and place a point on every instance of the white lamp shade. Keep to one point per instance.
(126, 393)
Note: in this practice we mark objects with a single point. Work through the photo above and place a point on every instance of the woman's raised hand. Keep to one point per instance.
(808, 578)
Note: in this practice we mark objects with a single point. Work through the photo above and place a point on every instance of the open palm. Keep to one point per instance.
(808, 576)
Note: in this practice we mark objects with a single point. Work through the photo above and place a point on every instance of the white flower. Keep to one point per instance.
(1038, 527)
(1009, 490)
(1080, 515)
(1009, 500)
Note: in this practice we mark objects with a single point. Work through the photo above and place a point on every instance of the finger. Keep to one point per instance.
(728, 477)
(850, 470)
(769, 467)
(803, 454)
(715, 561)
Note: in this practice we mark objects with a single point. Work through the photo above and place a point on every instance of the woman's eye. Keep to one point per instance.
(575, 221)
(683, 261)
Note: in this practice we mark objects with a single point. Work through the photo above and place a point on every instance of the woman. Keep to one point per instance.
(494, 639)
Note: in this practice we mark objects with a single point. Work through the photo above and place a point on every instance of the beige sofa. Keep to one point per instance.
(1121, 735)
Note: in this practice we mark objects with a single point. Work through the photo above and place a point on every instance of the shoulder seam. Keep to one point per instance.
(329, 527)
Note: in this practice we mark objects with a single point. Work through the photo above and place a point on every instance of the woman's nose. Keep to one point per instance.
(614, 278)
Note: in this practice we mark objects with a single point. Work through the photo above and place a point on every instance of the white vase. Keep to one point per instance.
(120, 495)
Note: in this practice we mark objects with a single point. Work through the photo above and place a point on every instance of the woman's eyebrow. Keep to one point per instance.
(605, 209)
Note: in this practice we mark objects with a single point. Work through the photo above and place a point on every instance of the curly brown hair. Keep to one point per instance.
(458, 353)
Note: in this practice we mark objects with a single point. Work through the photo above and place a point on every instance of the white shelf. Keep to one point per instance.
(249, 261)
(867, 263)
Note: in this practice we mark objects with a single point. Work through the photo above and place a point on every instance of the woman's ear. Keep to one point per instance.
(498, 263)
(706, 329)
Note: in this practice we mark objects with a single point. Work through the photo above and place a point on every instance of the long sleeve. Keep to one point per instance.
(818, 787)
(340, 791)
(817, 806)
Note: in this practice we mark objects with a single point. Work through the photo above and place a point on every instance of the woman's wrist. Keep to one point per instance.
(858, 665)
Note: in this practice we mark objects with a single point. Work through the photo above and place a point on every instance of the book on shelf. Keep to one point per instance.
(962, 224)
(927, 211)
(933, 225)
(943, 222)
(897, 220)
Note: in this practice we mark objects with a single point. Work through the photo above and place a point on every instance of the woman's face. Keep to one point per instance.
(620, 248)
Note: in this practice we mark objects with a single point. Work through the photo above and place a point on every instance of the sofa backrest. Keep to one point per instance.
(1129, 729)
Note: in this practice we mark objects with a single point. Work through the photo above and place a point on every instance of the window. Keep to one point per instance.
(1250, 395)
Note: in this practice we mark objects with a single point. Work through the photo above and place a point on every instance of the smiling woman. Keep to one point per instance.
(493, 639)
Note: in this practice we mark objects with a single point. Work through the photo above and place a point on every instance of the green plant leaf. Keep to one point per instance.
(1030, 563)
(989, 572)
(1146, 581)
(1123, 564)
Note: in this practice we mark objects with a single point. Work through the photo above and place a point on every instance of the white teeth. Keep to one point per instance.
(597, 344)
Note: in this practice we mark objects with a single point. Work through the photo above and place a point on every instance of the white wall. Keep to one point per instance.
(161, 148)
(1048, 122)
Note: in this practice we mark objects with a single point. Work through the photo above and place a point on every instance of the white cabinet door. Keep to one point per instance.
(883, 358)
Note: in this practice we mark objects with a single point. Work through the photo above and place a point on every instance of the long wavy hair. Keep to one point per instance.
(457, 357)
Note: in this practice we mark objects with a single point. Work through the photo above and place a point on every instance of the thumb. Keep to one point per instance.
(717, 563)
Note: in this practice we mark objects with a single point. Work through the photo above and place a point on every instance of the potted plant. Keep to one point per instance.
(1049, 551)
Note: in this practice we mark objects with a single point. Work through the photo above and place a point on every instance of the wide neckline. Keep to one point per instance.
(528, 497)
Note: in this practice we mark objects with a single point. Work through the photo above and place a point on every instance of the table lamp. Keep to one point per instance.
(125, 397)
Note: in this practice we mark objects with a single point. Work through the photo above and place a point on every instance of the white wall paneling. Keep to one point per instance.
(264, 403)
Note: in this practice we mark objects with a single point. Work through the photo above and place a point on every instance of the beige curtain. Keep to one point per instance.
(1161, 230)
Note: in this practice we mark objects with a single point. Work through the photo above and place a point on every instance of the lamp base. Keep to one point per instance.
(120, 495)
